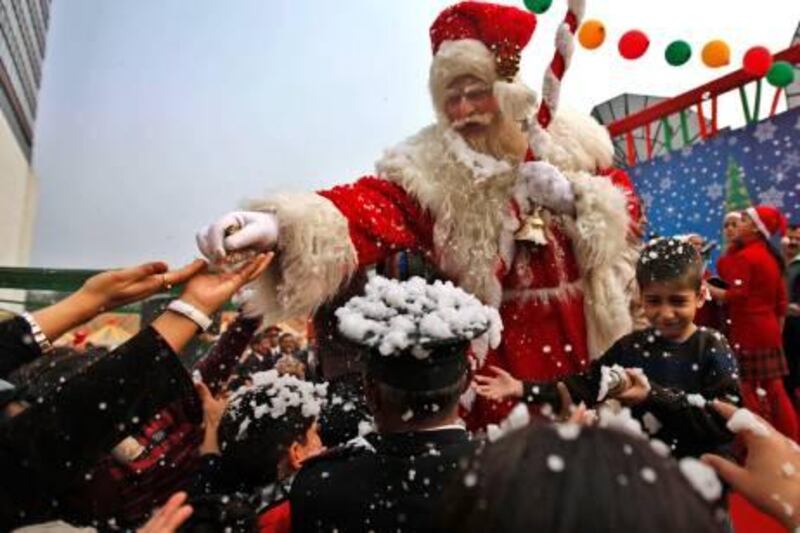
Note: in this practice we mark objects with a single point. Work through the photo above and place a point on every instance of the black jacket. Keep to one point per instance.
(60, 437)
(391, 482)
(682, 376)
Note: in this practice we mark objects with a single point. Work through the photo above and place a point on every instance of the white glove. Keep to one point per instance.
(256, 231)
(548, 187)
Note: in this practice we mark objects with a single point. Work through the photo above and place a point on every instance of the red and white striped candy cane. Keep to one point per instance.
(565, 44)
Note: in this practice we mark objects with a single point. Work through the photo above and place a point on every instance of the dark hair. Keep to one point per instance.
(221, 512)
(255, 453)
(600, 481)
(669, 260)
(420, 405)
(775, 253)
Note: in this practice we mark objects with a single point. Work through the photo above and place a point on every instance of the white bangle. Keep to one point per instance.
(38, 335)
(191, 312)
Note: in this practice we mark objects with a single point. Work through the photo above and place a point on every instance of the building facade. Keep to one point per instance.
(23, 31)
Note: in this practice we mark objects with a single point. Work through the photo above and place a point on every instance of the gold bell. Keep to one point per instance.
(532, 228)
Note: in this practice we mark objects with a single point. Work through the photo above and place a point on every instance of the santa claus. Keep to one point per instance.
(532, 220)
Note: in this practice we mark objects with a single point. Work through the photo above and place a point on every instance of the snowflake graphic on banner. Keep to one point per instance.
(765, 131)
(772, 196)
(715, 191)
(689, 193)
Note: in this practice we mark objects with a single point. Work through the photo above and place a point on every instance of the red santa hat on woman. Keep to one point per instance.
(768, 219)
(486, 41)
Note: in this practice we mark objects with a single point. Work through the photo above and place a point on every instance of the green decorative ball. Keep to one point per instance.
(678, 53)
(538, 6)
(780, 74)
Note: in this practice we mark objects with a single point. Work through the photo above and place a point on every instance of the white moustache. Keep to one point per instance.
(483, 119)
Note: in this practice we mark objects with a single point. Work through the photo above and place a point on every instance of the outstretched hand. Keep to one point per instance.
(501, 386)
(208, 292)
(213, 409)
(115, 288)
(770, 477)
(108, 290)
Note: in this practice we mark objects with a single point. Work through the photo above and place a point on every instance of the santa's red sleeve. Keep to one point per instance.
(382, 218)
(325, 237)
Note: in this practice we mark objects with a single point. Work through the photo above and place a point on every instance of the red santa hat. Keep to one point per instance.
(768, 219)
(486, 41)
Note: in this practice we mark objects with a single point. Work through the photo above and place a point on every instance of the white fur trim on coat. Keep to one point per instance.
(599, 234)
(573, 141)
(315, 256)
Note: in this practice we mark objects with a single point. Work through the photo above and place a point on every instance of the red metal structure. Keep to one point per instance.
(694, 98)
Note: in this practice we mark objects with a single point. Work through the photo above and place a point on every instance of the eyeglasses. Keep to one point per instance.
(474, 94)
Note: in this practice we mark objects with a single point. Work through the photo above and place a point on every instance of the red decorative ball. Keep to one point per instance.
(757, 61)
(633, 44)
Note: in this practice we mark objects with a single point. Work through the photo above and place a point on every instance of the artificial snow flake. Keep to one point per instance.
(648, 474)
(696, 400)
(745, 420)
(393, 315)
(702, 477)
(665, 184)
(519, 417)
(555, 463)
(788, 470)
(284, 391)
(620, 419)
(651, 423)
(660, 447)
(765, 131)
(568, 430)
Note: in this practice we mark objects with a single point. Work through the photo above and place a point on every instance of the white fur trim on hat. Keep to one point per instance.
(753, 214)
(472, 57)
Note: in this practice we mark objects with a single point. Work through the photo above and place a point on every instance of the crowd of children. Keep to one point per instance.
(102, 440)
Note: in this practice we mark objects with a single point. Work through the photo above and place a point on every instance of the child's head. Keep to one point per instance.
(270, 427)
(670, 275)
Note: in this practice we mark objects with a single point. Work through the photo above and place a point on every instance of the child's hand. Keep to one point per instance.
(170, 517)
(637, 390)
(498, 387)
(213, 409)
(770, 478)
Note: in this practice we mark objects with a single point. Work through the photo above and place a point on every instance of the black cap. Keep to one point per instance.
(443, 365)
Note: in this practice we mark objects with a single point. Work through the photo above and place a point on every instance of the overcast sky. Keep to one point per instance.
(156, 116)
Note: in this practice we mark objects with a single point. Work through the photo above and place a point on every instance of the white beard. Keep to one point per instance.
(467, 193)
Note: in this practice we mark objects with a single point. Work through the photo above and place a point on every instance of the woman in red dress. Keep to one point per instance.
(757, 301)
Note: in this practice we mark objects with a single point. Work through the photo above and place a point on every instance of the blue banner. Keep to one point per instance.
(685, 191)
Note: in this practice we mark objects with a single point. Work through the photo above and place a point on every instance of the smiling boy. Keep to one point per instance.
(682, 365)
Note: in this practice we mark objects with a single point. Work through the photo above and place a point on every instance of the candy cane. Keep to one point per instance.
(565, 44)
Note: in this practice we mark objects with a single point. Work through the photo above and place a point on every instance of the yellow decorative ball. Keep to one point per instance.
(716, 53)
(592, 34)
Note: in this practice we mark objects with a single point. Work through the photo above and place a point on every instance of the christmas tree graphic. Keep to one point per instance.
(736, 197)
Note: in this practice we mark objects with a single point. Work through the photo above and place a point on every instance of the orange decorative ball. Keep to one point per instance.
(592, 34)
(716, 54)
